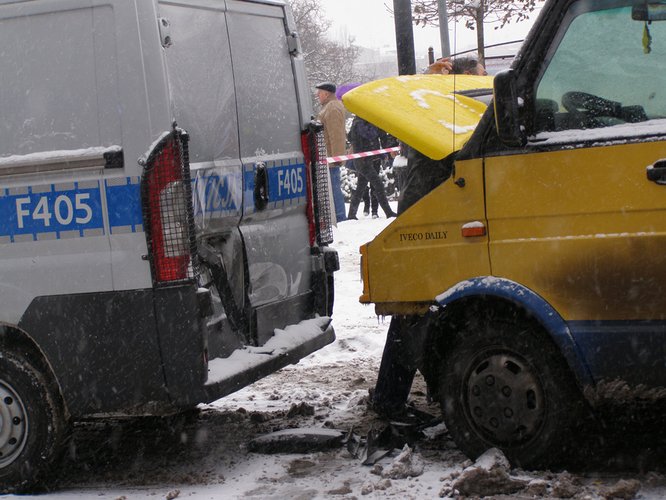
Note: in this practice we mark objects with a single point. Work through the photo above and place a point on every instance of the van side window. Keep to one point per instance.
(84, 112)
(602, 77)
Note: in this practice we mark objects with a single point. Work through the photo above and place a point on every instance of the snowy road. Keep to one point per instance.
(205, 456)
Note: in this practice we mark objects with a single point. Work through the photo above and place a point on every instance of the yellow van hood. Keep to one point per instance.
(422, 110)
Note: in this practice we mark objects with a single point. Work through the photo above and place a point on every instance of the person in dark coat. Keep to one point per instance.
(364, 136)
(405, 333)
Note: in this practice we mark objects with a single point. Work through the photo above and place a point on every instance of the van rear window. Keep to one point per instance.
(267, 106)
(201, 81)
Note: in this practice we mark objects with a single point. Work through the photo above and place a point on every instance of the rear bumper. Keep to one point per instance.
(244, 366)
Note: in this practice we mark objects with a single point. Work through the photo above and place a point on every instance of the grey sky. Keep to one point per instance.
(371, 25)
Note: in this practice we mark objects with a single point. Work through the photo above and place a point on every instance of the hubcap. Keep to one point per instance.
(13, 424)
(504, 398)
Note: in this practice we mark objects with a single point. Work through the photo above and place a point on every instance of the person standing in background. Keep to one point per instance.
(364, 136)
(332, 116)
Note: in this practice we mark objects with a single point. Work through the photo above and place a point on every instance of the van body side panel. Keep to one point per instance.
(423, 252)
(589, 237)
(103, 348)
(183, 340)
(630, 351)
(577, 236)
(53, 239)
(143, 103)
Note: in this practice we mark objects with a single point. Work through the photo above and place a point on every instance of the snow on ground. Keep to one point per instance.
(205, 455)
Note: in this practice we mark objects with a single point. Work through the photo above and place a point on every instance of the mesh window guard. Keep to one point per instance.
(166, 192)
(322, 197)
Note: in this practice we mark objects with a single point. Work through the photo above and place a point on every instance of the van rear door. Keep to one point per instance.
(203, 101)
(274, 224)
(241, 111)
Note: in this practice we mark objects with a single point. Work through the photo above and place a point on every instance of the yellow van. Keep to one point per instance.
(541, 263)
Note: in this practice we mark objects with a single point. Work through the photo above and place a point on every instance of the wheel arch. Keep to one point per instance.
(12, 337)
(500, 293)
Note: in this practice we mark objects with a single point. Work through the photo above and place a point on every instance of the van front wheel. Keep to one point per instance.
(505, 385)
(32, 424)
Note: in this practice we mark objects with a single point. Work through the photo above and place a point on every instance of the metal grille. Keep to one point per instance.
(166, 192)
(322, 197)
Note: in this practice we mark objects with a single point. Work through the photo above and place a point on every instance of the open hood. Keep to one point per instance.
(434, 114)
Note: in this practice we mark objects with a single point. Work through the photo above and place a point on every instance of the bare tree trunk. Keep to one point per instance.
(480, 38)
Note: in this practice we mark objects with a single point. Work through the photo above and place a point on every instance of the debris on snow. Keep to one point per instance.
(654, 478)
(536, 488)
(258, 417)
(489, 475)
(302, 440)
(381, 485)
(358, 399)
(448, 492)
(377, 469)
(435, 432)
(173, 494)
(300, 467)
(343, 490)
(623, 489)
(405, 465)
(301, 409)
(565, 486)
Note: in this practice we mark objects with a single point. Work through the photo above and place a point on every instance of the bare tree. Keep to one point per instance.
(475, 13)
(325, 60)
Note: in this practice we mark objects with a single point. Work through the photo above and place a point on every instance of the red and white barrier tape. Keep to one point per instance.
(352, 156)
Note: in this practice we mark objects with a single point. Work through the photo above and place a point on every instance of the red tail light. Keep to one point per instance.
(319, 206)
(167, 208)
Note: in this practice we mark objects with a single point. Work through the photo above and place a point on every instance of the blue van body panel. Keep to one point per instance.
(535, 305)
(627, 351)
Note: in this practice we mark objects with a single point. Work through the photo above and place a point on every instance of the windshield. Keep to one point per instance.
(606, 71)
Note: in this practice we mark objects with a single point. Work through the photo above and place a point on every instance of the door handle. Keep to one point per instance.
(657, 172)
(261, 186)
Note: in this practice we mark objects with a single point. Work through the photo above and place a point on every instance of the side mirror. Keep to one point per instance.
(510, 128)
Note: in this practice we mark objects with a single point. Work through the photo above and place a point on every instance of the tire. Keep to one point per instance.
(506, 386)
(32, 425)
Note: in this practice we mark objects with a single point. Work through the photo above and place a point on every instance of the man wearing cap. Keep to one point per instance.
(332, 116)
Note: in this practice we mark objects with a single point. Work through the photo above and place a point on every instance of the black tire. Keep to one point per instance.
(505, 385)
(32, 425)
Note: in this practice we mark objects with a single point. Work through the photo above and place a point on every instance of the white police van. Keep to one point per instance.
(164, 220)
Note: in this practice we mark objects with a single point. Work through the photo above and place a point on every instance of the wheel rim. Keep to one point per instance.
(504, 398)
(13, 424)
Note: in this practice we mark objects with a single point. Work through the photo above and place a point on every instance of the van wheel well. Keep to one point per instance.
(16, 340)
(502, 382)
(36, 426)
(455, 316)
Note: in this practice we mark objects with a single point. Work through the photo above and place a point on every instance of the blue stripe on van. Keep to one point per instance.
(216, 194)
(123, 199)
(51, 211)
(287, 184)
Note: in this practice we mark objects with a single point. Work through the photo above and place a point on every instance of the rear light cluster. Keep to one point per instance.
(319, 202)
(166, 196)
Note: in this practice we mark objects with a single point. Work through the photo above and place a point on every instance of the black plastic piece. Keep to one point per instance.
(114, 159)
